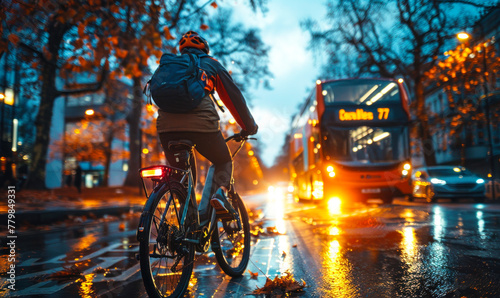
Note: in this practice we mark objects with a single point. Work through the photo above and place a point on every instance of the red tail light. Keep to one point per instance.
(152, 173)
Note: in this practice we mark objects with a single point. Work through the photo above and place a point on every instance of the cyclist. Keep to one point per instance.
(201, 125)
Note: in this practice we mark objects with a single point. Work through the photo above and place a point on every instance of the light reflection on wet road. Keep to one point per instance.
(405, 250)
(400, 250)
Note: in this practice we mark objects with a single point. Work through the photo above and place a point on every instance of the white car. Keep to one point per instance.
(452, 182)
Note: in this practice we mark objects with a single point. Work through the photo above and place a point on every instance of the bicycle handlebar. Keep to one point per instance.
(237, 137)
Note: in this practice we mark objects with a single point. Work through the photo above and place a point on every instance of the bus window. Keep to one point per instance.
(367, 144)
(360, 91)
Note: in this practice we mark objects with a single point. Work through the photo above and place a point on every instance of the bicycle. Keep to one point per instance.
(170, 231)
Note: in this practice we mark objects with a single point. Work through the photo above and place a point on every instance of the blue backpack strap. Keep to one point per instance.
(197, 63)
(194, 65)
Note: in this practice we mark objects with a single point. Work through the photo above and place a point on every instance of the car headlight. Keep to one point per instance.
(480, 181)
(438, 181)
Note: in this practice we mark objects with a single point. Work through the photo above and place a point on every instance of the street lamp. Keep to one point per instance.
(463, 36)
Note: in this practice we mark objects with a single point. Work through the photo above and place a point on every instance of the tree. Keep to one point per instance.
(240, 50)
(390, 39)
(465, 75)
(89, 141)
(43, 29)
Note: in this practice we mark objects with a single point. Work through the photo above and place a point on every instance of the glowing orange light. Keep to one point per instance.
(251, 153)
(463, 36)
(77, 131)
(145, 151)
(232, 121)
(334, 205)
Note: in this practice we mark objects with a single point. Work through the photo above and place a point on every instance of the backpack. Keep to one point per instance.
(179, 84)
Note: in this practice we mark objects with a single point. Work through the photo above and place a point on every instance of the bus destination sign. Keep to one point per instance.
(362, 115)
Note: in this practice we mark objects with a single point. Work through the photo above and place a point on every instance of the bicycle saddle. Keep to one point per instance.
(180, 145)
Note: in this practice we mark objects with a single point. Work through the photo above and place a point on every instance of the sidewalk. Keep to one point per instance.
(45, 207)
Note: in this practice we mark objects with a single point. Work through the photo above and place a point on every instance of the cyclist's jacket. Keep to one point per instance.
(204, 118)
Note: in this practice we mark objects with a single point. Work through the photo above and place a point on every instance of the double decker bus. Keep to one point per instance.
(350, 141)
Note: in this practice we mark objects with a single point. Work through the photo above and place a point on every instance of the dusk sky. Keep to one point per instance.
(292, 65)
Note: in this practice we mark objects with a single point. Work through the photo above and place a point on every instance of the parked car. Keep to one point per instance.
(452, 182)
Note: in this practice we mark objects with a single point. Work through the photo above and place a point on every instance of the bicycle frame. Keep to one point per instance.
(161, 176)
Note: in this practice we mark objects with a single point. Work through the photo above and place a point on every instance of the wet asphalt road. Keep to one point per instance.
(399, 250)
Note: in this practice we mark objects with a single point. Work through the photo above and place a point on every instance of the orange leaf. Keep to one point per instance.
(121, 53)
(168, 36)
(204, 27)
(114, 40)
(13, 38)
(214, 4)
(81, 29)
(252, 274)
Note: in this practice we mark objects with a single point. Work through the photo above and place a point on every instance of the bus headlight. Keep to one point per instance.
(330, 171)
(406, 169)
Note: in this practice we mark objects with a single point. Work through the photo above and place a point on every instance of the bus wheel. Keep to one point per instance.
(387, 200)
(410, 198)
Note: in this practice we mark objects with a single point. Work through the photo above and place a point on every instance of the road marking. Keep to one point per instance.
(41, 288)
(57, 260)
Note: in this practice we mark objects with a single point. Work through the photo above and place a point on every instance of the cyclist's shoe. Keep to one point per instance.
(223, 208)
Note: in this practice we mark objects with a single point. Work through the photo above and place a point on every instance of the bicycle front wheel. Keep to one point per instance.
(166, 261)
(230, 244)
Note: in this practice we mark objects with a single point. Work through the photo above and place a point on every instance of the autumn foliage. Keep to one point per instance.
(465, 74)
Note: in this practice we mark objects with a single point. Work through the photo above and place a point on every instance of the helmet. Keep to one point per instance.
(191, 39)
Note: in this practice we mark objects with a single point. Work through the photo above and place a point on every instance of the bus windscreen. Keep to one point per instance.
(360, 91)
(366, 145)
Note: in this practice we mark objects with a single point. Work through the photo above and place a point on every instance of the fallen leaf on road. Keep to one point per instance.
(253, 274)
(281, 285)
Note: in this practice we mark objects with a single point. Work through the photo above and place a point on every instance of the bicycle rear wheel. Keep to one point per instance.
(166, 261)
(231, 245)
